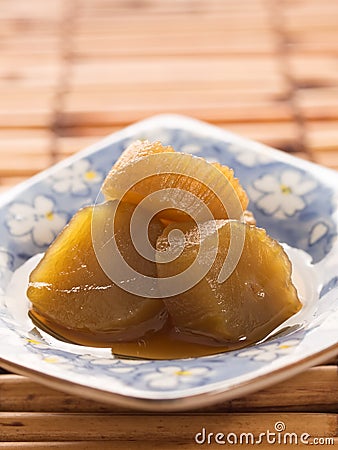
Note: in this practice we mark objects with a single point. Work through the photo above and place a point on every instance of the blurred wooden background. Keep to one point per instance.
(72, 71)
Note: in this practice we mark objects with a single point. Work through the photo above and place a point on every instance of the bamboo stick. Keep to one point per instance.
(318, 103)
(313, 70)
(282, 135)
(314, 390)
(24, 164)
(63, 427)
(8, 182)
(38, 10)
(329, 159)
(26, 107)
(66, 146)
(31, 44)
(130, 445)
(161, 70)
(24, 147)
(180, 43)
(276, 134)
(161, 24)
(26, 77)
(322, 136)
(165, 7)
(106, 115)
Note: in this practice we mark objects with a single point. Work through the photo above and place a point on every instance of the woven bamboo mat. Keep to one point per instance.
(72, 71)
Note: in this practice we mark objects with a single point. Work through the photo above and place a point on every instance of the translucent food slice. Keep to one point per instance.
(146, 168)
(257, 297)
(73, 296)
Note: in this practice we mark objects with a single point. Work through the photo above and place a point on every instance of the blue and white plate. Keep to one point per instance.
(296, 201)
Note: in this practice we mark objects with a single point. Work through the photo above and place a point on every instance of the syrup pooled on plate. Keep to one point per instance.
(165, 343)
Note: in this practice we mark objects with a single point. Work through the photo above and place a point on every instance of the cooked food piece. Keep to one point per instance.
(248, 217)
(257, 296)
(195, 214)
(146, 168)
(73, 296)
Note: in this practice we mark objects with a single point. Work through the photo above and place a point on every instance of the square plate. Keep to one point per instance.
(296, 201)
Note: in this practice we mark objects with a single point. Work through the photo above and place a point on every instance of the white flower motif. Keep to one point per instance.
(121, 369)
(170, 377)
(191, 148)
(269, 352)
(114, 365)
(282, 197)
(127, 365)
(6, 259)
(36, 344)
(6, 268)
(251, 155)
(76, 179)
(41, 221)
(211, 159)
(134, 362)
(59, 361)
(318, 232)
(155, 134)
(103, 361)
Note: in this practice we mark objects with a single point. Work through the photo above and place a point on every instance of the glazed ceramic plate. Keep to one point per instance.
(294, 200)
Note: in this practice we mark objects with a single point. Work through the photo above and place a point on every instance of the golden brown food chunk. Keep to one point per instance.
(248, 217)
(70, 291)
(256, 298)
(145, 168)
(82, 290)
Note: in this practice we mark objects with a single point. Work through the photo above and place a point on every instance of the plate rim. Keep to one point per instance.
(191, 401)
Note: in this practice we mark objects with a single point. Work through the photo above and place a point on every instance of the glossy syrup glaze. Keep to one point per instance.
(165, 343)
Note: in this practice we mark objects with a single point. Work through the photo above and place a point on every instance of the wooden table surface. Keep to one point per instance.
(72, 71)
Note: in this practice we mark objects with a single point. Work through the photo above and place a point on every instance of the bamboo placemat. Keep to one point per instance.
(72, 71)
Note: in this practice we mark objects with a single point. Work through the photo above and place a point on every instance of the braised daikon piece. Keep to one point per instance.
(145, 168)
(257, 297)
(72, 295)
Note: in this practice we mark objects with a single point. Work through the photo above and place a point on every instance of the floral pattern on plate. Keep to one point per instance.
(269, 352)
(6, 268)
(76, 179)
(40, 222)
(160, 376)
(170, 377)
(286, 196)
